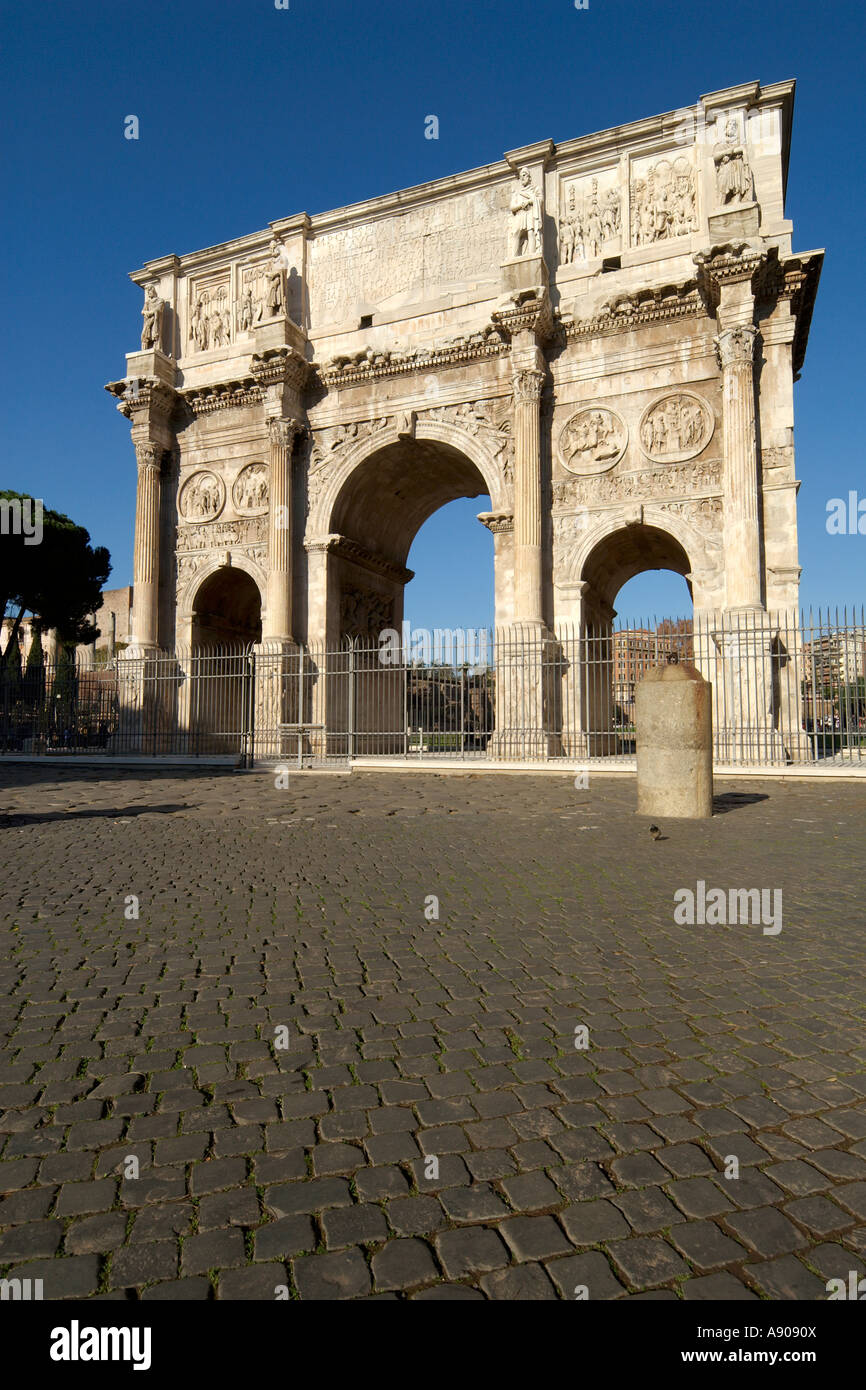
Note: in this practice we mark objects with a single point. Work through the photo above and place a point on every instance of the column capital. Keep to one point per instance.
(736, 346)
(528, 384)
(282, 432)
(148, 454)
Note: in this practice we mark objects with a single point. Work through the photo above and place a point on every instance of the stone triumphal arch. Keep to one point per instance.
(600, 335)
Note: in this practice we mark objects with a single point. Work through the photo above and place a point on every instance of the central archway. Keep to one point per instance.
(373, 500)
(367, 518)
(379, 512)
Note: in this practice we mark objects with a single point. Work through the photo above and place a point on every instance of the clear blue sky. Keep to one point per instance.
(248, 113)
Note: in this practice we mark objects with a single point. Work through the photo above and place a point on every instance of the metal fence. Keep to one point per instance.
(787, 688)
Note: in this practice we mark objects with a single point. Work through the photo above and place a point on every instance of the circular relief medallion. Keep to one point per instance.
(676, 428)
(202, 497)
(250, 491)
(592, 441)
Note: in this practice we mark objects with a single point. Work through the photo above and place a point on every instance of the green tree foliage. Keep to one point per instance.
(60, 579)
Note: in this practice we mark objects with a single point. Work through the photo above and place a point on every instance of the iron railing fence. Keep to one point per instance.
(787, 688)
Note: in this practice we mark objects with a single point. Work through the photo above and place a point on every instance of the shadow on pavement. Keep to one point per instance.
(114, 813)
(14, 774)
(732, 801)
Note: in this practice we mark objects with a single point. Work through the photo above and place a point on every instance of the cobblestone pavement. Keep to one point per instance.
(304, 916)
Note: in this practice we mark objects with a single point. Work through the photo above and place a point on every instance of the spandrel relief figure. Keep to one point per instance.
(526, 217)
(151, 331)
(734, 182)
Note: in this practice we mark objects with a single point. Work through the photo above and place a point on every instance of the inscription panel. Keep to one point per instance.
(421, 252)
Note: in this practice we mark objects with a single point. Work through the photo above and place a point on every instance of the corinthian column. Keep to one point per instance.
(528, 383)
(736, 353)
(278, 622)
(145, 598)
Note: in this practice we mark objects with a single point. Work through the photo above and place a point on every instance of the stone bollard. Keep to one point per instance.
(674, 725)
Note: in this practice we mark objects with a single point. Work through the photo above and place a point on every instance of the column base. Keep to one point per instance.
(745, 700)
(278, 698)
(148, 686)
(523, 745)
(526, 669)
(749, 745)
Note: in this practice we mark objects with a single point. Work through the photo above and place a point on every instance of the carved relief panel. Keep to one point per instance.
(663, 199)
(590, 217)
(592, 441)
(364, 613)
(209, 312)
(223, 535)
(202, 497)
(640, 485)
(250, 490)
(252, 292)
(675, 428)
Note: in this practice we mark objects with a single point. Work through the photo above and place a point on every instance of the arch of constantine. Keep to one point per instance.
(602, 336)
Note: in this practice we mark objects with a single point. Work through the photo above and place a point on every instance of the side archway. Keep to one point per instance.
(221, 604)
(593, 565)
(594, 561)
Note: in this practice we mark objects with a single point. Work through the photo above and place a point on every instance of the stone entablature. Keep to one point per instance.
(572, 330)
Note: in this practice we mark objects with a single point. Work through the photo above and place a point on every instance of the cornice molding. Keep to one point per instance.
(728, 264)
(632, 310)
(373, 364)
(227, 395)
(282, 366)
(144, 397)
(348, 549)
(529, 311)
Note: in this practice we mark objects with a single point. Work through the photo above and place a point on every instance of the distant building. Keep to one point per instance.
(836, 658)
(26, 632)
(637, 650)
(113, 618)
